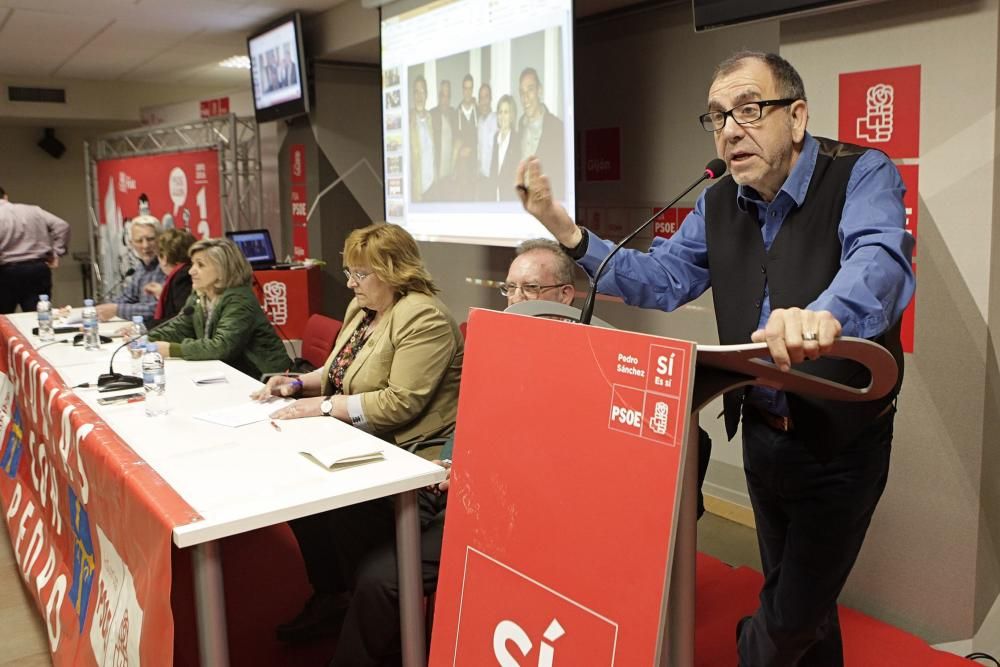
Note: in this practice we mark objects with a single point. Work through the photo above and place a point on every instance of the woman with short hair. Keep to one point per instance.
(394, 371)
(395, 367)
(222, 319)
(172, 251)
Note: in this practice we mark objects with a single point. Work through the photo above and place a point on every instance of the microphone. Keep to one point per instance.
(112, 381)
(108, 292)
(713, 170)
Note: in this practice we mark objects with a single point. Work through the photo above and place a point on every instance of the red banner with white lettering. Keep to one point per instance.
(89, 522)
(602, 154)
(911, 200)
(297, 172)
(180, 190)
(559, 530)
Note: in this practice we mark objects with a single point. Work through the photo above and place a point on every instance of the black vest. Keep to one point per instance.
(802, 262)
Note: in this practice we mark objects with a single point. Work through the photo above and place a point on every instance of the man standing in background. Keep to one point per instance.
(31, 242)
(487, 131)
(422, 152)
(540, 132)
(444, 121)
(466, 161)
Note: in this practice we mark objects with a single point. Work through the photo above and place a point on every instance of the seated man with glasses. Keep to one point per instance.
(540, 271)
(802, 242)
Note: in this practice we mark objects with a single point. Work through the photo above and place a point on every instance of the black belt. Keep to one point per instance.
(777, 422)
(785, 424)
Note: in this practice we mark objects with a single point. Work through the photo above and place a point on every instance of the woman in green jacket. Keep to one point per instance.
(222, 318)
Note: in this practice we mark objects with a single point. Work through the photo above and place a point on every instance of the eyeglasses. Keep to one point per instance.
(745, 113)
(529, 290)
(357, 275)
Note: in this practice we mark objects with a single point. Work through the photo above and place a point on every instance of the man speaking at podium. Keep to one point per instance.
(804, 241)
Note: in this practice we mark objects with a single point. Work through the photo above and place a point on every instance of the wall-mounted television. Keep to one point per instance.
(709, 14)
(278, 69)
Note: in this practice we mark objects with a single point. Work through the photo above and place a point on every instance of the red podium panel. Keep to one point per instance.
(289, 297)
(564, 492)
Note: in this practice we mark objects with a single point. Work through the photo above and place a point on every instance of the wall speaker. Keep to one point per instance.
(50, 144)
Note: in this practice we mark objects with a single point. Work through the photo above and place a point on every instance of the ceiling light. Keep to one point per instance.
(236, 62)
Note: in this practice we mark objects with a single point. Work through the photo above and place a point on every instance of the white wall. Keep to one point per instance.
(935, 526)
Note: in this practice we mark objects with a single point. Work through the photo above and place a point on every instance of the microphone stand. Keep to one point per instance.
(120, 380)
(111, 290)
(712, 171)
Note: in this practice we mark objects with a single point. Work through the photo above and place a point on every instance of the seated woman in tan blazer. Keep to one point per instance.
(394, 371)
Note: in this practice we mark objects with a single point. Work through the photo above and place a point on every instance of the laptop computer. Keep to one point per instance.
(256, 246)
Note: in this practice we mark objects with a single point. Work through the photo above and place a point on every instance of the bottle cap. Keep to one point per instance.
(43, 297)
(151, 347)
(137, 319)
(88, 302)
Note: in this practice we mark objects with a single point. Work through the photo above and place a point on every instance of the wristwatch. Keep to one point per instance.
(326, 407)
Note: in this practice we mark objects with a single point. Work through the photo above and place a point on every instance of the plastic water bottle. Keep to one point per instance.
(91, 338)
(137, 344)
(154, 379)
(44, 310)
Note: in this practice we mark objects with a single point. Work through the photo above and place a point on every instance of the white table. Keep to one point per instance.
(241, 479)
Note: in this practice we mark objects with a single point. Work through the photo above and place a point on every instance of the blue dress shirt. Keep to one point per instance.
(867, 296)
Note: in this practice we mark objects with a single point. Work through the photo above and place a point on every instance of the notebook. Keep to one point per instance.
(256, 246)
(337, 455)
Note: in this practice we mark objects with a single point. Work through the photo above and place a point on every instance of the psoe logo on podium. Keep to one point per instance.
(509, 619)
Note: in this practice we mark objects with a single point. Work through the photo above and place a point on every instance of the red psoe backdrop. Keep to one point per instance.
(289, 297)
(911, 200)
(563, 494)
(300, 229)
(881, 109)
(183, 186)
(667, 223)
(603, 154)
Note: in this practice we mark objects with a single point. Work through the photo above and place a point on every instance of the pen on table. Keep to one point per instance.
(275, 425)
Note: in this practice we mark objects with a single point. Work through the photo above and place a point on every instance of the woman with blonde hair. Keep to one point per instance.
(394, 371)
(222, 318)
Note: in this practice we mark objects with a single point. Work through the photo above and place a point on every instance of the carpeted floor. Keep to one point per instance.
(265, 585)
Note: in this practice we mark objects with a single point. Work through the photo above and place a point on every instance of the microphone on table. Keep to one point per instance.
(713, 170)
(112, 381)
(111, 290)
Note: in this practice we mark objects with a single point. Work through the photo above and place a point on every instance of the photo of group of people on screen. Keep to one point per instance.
(469, 151)
(277, 68)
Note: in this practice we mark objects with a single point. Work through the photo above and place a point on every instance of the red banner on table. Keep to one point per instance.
(90, 523)
(881, 109)
(559, 531)
(603, 154)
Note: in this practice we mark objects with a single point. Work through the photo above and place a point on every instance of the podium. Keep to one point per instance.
(289, 297)
(570, 535)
